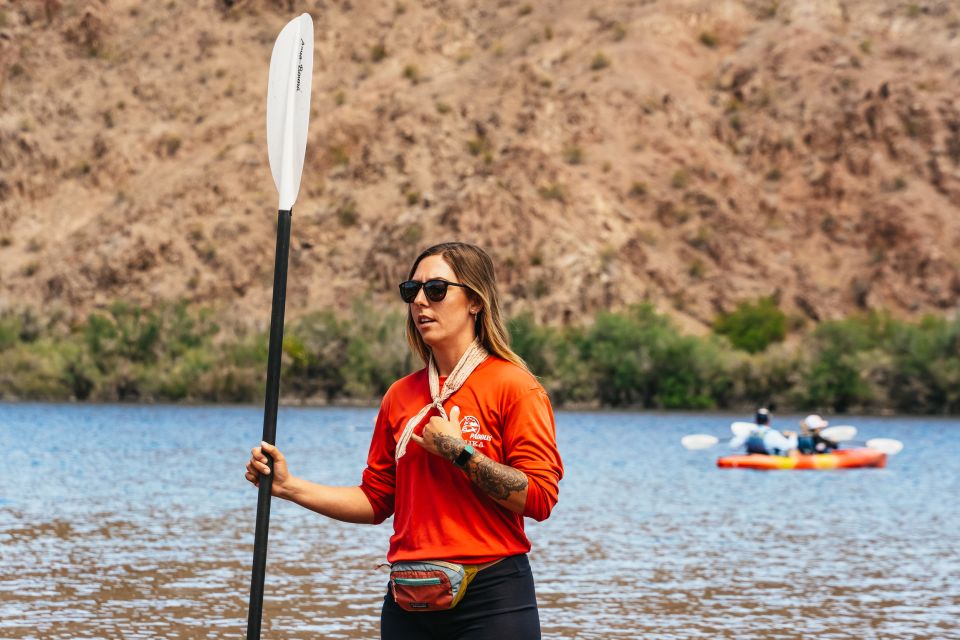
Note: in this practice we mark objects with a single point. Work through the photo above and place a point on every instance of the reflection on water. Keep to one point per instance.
(135, 522)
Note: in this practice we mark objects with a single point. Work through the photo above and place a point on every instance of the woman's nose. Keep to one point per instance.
(421, 299)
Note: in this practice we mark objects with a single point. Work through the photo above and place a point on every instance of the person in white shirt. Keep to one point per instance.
(763, 439)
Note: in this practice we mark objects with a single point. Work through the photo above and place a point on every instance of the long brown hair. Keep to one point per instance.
(473, 268)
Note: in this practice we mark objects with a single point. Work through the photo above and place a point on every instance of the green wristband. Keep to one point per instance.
(464, 458)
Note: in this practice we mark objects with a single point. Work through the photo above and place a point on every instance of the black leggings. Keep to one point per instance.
(500, 604)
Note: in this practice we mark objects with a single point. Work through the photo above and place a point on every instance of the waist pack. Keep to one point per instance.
(429, 585)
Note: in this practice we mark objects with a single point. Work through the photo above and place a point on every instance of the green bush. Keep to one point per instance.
(314, 349)
(535, 344)
(925, 371)
(639, 358)
(377, 353)
(832, 376)
(633, 358)
(9, 331)
(839, 353)
(753, 326)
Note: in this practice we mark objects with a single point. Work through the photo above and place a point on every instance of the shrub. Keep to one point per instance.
(638, 189)
(314, 348)
(600, 61)
(478, 145)
(679, 179)
(347, 214)
(633, 358)
(753, 326)
(377, 352)
(553, 191)
(925, 366)
(535, 344)
(573, 155)
(639, 358)
(411, 73)
(832, 377)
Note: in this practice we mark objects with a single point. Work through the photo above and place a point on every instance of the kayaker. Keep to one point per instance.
(462, 451)
(810, 441)
(763, 439)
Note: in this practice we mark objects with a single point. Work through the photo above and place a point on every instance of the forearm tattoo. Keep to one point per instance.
(497, 480)
(448, 446)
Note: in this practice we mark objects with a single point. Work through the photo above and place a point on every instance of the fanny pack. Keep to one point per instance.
(430, 585)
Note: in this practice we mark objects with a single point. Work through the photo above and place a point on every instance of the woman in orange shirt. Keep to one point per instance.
(462, 451)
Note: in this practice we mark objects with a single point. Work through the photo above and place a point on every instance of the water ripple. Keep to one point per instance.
(135, 522)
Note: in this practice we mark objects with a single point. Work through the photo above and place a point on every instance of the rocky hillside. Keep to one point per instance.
(691, 153)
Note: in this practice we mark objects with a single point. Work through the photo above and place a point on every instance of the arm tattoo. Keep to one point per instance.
(495, 479)
(449, 447)
(498, 480)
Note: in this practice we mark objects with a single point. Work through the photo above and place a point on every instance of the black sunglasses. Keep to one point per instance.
(435, 290)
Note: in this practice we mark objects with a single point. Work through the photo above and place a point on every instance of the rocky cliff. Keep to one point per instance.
(694, 154)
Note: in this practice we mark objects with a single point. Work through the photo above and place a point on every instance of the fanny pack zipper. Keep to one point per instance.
(414, 582)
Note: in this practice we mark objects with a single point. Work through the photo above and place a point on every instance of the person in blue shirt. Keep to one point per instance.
(763, 439)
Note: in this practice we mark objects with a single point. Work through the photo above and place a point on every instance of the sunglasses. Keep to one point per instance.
(435, 290)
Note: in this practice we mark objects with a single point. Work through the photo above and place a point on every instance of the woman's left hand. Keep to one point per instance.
(442, 437)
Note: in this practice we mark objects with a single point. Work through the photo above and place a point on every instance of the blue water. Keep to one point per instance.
(136, 522)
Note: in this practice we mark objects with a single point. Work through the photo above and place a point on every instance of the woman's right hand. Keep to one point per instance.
(257, 466)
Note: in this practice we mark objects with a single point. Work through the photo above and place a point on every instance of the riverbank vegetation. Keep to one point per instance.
(634, 358)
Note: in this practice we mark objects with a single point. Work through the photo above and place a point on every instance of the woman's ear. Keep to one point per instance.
(476, 305)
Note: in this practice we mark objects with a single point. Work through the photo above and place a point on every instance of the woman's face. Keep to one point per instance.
(449, 321)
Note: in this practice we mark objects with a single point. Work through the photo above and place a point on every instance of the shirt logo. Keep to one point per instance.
(471, 425)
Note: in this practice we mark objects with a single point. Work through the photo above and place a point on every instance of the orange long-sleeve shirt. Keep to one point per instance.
(438, 512)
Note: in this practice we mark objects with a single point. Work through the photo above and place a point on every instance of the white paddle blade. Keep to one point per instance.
(698, 441)
(839, 433)
(288, 106)
(889, 446)
(742, 429)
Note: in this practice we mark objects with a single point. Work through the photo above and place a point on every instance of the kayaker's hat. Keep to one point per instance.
(813, 421)
(763, 416)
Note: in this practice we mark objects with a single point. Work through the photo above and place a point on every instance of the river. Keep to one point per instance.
(124, 521)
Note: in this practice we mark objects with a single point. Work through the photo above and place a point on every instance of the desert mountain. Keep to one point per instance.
(694, 154)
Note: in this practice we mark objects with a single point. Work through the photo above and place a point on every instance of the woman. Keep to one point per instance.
(462, 451)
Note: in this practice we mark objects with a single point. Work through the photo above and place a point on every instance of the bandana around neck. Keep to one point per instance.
(472, 358)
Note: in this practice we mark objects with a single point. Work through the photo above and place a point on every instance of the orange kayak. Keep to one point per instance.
(839, 459)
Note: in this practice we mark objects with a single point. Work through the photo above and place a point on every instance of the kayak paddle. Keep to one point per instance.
(888, 446)
(288, 113)
(839, 433)
(698, 441)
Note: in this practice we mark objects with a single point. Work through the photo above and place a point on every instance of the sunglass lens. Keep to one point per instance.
(408, 290)
(436, 290)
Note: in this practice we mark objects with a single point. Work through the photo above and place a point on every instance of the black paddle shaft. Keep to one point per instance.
(269, 423)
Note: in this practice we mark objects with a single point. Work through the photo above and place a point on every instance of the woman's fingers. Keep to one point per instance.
(251, 474)
(259, 461)
(272, 450)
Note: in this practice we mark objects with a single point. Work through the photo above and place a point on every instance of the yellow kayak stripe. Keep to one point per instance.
(825, 461)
